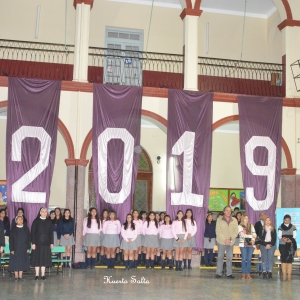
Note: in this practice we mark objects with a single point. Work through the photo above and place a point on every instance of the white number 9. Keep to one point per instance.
(268, 170)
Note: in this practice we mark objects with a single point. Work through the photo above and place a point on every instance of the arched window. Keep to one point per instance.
(143, 189)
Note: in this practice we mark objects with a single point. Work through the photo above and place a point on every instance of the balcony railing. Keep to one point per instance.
(36, 60)
(149, 69)
(126, 67)
(240, 77)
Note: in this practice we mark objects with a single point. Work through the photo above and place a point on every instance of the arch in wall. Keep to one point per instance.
(62, 129)
(158, 120)
(284, 145)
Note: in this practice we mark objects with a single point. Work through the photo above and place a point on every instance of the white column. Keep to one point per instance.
(291, 46)
(191, 52)
(81, 51)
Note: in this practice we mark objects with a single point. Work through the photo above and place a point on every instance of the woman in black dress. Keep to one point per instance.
(19, 246)
(42, 243)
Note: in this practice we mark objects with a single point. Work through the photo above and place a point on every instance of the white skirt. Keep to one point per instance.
(111, 241)
(128, 246)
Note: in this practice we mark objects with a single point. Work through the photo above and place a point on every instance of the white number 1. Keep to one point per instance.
(185, 145)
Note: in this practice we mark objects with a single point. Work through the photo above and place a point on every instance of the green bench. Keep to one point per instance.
(59, 261)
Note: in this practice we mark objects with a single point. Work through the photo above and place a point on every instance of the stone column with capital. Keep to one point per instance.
(82, 33)
(76, 169)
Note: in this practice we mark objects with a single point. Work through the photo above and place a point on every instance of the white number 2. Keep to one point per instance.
(18, 195)
(185, 145)
(268, 170)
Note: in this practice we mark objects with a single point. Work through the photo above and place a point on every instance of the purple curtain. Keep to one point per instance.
(189, 148)
(260, 148)
(31, 133)
(116, 145)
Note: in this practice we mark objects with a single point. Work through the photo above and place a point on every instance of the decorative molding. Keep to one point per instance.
(288, 171)
(288, 10)
(76, 162)
(87, 2)
(288, 23)
(190, 12)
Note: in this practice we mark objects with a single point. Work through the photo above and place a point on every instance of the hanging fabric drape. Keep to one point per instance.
(260, 149)
(31, 135)
(189, 149)
(116, 145)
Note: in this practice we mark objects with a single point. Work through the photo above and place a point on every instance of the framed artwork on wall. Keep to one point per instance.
(218, 199)
(3, 195)
(237, 199)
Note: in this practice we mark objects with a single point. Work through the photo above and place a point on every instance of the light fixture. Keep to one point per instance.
(158, 159)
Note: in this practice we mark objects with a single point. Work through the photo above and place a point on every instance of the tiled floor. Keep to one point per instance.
(163, 284)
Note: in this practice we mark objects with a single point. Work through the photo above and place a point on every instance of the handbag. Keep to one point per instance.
(258, 241)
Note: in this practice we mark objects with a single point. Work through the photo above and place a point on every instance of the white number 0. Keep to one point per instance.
(18, 195)
(186, 144)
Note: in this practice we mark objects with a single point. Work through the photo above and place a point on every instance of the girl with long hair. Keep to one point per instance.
(128, 245)
(151, 243)
(65, 235)
(180, 233)
(246, 242)
(166, 243)
(267, 247)
(138, 227)
(103, 219)
(209, 240)
(192, 229)
(91, 236)
(111, 240)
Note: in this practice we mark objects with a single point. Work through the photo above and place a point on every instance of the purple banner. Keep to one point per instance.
(260, 148)
(189, 149)
(116, 146)
(32, 117)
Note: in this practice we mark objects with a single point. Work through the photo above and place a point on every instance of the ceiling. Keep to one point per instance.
(254, 8)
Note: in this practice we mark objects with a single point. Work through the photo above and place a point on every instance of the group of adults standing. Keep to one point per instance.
(262, 235)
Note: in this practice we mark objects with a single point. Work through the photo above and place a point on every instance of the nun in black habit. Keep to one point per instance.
(42, 243)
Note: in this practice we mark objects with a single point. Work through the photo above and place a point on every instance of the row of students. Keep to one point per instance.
(142, 238)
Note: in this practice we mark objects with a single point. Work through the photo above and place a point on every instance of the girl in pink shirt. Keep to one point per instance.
(138, 226)
(111, 240)
(179, 230)
(150, 231)
(103, 218)
(166, 244)
(192, 229)
(143, 216)
(91, 236)
(129, 234)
